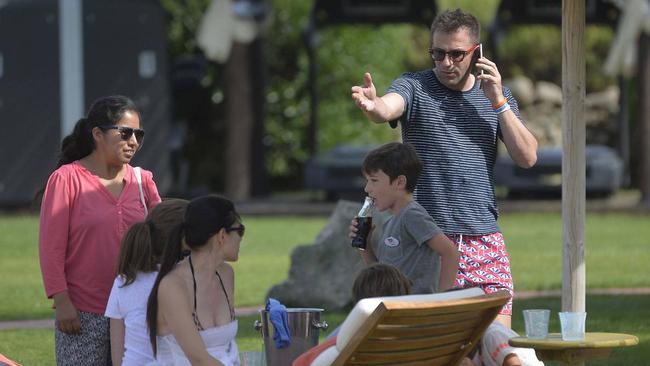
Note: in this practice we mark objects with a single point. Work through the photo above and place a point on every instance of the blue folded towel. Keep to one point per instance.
(280, 320)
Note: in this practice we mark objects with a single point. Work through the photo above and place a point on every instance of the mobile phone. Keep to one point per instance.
(480, 55)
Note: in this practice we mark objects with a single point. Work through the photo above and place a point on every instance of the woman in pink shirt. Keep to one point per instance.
(89, 201)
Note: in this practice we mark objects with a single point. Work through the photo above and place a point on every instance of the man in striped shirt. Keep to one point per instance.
(454, 118)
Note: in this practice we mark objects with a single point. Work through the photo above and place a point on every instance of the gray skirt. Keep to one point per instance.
(90, 347)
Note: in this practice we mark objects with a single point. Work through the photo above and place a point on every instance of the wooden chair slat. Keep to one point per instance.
(418, 342)
(425, 330)
(433, 315)
(443, 319)
(433, 333)
(438, 361)
(406, 355)
(450, 306)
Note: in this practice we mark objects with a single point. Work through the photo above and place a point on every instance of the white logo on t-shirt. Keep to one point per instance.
(391, 242)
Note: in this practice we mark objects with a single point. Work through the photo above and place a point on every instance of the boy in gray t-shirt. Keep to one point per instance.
(411, 240)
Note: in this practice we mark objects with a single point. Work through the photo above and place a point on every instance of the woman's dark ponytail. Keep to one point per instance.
(76, 145)
(105, 111)
(170, 257)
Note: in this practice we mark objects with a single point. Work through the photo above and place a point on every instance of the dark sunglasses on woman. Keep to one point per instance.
(126, 132)
(239, 229)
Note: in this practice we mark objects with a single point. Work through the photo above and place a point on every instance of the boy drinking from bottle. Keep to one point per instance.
(410, 240)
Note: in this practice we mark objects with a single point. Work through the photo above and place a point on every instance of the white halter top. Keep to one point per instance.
(219, 341)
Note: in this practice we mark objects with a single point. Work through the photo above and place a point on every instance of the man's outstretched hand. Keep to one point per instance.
(365, 96)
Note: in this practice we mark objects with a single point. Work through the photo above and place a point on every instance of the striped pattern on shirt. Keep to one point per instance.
(455, 134)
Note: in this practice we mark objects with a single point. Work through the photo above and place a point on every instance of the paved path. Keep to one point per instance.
(252, 310)
(622, 202)
(603, 291)
(49, 323)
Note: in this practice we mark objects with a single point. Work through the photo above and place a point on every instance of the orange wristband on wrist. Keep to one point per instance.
(500, 104)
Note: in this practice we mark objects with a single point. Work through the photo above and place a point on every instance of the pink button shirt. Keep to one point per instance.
(81, 226)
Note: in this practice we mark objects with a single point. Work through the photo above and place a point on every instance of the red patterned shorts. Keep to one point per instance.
(484, 263)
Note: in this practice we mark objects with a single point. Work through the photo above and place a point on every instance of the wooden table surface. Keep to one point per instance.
(595, 345)
(592, 340)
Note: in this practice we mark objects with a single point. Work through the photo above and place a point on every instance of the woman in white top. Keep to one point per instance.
(190, 312)
(140, 253)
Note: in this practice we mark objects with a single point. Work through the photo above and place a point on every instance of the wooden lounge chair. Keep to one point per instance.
(414, 330)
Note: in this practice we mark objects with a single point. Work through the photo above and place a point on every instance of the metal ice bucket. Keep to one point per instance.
(304, 325)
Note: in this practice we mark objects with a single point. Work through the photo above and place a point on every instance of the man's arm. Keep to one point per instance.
(520, 143)
(378, 109)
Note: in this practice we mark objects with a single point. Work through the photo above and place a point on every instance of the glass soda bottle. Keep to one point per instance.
(364, 224)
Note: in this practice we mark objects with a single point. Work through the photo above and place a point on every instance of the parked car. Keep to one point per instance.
(603, 177)
(338, 172)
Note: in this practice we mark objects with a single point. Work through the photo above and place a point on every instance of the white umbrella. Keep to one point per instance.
(622, 57)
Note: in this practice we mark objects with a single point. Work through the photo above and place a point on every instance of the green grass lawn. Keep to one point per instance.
(617, 248)
(264, 261)
(605, 314)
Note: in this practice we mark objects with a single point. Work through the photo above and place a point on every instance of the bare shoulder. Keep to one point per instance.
(226, 271)
(228, 275)
(172, 285)
(173, 302)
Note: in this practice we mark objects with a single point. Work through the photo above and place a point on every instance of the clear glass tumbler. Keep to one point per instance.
(536, 323)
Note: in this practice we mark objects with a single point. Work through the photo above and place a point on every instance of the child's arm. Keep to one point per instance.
(367, 255)
(117, 340)
(449, 259)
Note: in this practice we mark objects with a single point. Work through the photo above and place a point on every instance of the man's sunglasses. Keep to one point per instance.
(239, 229)
(438, 54)
(126, 132)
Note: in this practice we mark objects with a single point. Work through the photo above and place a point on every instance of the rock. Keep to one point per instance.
(547, 92)
(544, 121)
(544, 117)
(522, 89)
(606, 99)
(321, 274)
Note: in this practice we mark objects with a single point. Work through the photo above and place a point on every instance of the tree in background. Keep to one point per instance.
(343, 54)
(202, 108)
(535, 51)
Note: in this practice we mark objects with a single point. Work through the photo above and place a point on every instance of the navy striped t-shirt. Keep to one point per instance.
(455, 134)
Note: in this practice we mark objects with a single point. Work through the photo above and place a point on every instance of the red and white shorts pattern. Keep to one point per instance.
(484, 263)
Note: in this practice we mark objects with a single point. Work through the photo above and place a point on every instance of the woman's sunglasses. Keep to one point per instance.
(239, 229)
(126, 132)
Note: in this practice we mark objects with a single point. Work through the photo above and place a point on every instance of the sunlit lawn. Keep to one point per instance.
(617, 314)
(617, 248)
(264, 260)
(617, 256)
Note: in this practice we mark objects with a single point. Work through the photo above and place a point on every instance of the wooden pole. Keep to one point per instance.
(573, 155)
(643, 118)
(240, 123)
